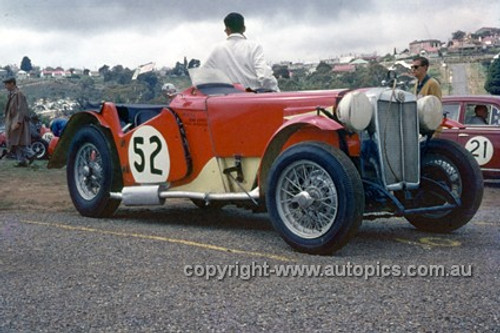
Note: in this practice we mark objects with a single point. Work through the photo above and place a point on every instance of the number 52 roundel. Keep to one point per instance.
(148, 156)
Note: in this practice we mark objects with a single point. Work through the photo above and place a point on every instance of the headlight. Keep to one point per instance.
(355, 111)
(430, 113)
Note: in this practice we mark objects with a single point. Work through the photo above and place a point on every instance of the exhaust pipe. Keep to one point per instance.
(156, 195)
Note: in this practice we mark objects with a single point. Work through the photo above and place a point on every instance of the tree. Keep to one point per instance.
(458, 35)
(492, 84)
(9, 71)
(179, 69)
(323, 67)
(281, 71)
(26, 64)
(104, 70)
(88, 96)
(194, 63)
(152, 83)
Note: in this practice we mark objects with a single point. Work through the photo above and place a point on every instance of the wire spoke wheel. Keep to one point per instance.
(455, 169)
(315, 197)
(91, 174)
(307, 199)
(88, 171)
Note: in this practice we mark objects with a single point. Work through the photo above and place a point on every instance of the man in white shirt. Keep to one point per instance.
(240, 59)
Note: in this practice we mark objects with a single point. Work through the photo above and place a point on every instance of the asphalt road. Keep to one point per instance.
(66, 273)
(459, 79)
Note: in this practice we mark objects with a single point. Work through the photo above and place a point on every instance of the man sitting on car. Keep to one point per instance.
(481, 115)
(240, 59)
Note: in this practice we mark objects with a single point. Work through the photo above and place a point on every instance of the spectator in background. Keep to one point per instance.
(425, 85)
(240, 59)
(169, 91)
(57, 126)
(481, 116)
(17, 124)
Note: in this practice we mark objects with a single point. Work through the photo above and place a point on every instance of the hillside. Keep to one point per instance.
(87, 92)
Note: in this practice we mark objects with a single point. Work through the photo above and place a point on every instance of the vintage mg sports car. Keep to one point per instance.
(318, 161)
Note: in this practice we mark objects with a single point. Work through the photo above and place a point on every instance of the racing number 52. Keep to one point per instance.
(138, 143)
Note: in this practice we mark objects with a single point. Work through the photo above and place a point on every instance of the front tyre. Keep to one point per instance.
(90, 173)
(453, 167)
(315, 198)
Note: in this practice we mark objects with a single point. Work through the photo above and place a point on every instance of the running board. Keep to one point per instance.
(156, 195)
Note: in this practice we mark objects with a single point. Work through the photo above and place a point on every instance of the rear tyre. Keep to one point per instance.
(315, 198)
(455, 168)
(90, 173)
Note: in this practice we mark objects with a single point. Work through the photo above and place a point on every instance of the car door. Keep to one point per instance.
(482, 140)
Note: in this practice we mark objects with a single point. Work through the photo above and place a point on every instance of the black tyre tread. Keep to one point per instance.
(102, 205)
(472, 189)
(351, 186)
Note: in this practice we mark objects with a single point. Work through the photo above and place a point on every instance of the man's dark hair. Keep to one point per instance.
(235, 22)
(481, 106)
(423, 60)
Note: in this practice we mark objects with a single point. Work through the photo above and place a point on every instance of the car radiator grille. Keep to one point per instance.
(398, 144)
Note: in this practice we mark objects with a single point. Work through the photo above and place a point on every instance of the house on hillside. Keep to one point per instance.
(344, 68)
(359, 62)
(488, 31)
(428, 47)
(21, 75)
(53, 73)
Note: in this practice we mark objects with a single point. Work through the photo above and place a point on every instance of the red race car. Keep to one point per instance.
(38, 144)
(319, 161)
(479, 134)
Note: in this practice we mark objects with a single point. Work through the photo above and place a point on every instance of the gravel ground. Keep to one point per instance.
(60, 272)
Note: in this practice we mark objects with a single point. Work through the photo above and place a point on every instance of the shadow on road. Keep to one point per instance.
(225, 218)
(492, 183)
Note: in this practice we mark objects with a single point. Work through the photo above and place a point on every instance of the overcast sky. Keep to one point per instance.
(91, 33)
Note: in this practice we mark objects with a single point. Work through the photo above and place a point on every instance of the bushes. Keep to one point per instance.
(492, 84)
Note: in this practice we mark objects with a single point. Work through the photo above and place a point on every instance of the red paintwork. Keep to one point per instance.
(241, 124)
(464, 133)
(3, 139)
(52, 145)
(450, 123)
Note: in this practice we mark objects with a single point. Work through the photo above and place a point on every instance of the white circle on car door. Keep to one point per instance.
(481, 148)
(148, 156)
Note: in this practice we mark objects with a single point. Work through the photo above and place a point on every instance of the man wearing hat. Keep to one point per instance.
(17, 127)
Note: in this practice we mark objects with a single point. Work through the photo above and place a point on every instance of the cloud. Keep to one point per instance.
(91, 33)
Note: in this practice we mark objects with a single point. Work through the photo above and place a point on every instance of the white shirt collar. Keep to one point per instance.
(236, 35)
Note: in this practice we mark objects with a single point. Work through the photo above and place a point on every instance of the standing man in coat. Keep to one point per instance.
(17, 124)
